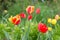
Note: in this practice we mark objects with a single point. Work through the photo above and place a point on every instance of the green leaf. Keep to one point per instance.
(6, 35)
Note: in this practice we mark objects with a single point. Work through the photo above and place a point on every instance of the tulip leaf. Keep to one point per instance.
(6, 35)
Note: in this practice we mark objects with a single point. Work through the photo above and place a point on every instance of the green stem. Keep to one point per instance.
(38, 38)
(26, 36)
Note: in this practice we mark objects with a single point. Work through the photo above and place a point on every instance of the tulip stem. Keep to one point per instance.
(35, 18)
(25, 37)
(38, 38)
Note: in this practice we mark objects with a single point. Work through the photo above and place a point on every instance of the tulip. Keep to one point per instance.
(42, 28)
(15, 20)
(49, 20)
(49, 28)
(54, 21)
(29, 17)
(22, 15)
(37, 10)
(30, 9)
(57, 17)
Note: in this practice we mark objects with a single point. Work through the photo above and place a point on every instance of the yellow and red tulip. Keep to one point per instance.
(15, 20)
(30, 9)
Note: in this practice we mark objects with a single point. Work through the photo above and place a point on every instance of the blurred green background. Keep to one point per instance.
(16, 6)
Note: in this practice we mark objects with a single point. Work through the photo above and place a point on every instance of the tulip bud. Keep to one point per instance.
(37, 10)
(29, 17)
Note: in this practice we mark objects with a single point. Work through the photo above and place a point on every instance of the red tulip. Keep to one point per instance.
(29, 17)
(22, 15)
(37, 10)
(42, 28)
